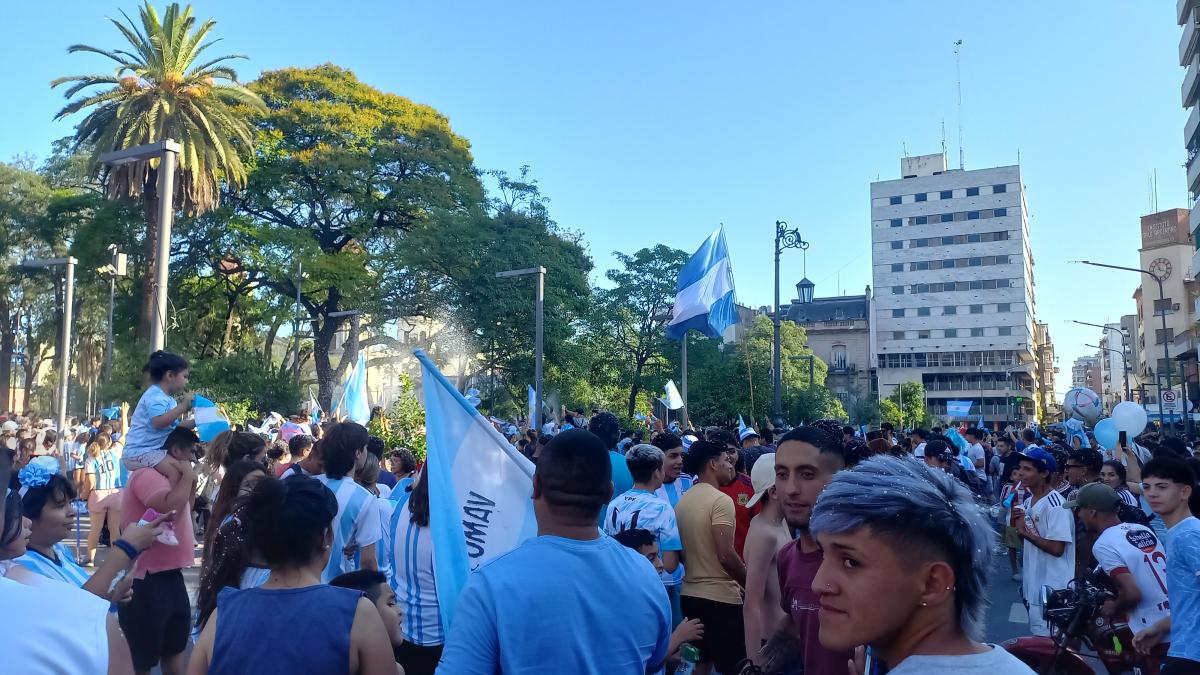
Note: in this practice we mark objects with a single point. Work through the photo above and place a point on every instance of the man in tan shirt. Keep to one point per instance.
(713, 573)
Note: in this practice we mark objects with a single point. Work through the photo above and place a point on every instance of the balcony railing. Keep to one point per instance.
(1188, 90)
(1187, 42)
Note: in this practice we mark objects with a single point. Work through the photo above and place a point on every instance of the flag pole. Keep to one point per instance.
(685, 409)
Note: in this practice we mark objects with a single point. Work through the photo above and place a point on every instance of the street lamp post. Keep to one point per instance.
(112, 271)
(1124, 362)
(1162, 313)
(539, 304)
(784, 239)
(1124, 347)
(166, 151)
(64, 350)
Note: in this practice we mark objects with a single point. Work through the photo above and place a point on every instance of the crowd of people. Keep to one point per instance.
(826, 549)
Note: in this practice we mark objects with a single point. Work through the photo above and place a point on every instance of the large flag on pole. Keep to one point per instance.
(314, 408)
(704, 294)
(531, 400)
(671, 399)
(480, 487)
(354, 393)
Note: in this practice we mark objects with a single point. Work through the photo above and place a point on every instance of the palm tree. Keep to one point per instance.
(160, 90)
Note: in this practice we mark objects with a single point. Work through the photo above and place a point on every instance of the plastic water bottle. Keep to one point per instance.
(691, 656)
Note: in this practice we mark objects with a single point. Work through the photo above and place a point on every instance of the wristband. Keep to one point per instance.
(127, 548)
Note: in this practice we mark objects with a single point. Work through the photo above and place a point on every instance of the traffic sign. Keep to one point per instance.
(1170, 400)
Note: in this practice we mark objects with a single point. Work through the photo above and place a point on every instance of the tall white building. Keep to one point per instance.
(1082, 369)
(954, 289)
(1112, 366)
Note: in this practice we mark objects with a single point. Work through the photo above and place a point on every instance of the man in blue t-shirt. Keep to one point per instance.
(535, 608)
(607, 428)
(1167, 484)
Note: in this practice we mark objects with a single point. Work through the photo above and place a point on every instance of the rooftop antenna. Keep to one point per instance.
(904, 148)
(1155, 191)
(958, 75)
(943, 137)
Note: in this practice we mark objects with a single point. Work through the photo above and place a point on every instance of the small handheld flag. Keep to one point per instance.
(209, 421)
(672, 400)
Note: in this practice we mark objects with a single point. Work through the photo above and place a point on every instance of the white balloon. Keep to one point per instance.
(1129, 417)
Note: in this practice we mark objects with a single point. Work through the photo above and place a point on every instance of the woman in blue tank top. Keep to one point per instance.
(293, 623)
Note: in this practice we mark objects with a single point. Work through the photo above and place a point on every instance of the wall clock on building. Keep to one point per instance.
(1161, 268)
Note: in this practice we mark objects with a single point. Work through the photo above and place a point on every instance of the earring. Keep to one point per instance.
(924, 604)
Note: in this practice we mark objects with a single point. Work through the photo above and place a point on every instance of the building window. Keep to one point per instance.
(922, 311)
(1005, 330)
(947, 194)
(976, 332)
(997, 189)
(998, 213)
(921, 243)
(950, 332)
(893, 201)
(1163, 306)
(897, 222)
(946, 241)
(897, 335)
(897, 267)
(920, 196)
(897, 290)
(973, 192)
(1001, 260)
(897, 313)
(972, 215)
(920, 288)
(977, 309)
(1161, 336)
(1002, 283)
(1003, 307)
(975, 261)
(897, 245)
(839, 356)
(949, 309)
(920, 220)
(922, 335)
(974, 238)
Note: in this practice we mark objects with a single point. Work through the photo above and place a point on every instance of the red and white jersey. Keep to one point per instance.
(1134, 549)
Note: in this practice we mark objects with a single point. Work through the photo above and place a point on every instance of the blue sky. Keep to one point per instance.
(654, 122)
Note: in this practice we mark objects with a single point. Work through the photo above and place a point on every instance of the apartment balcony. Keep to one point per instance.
(1183, 9)
(1188, 90)
(1187, 42)
(1193, 174)
(1190, 129)
(842, 368)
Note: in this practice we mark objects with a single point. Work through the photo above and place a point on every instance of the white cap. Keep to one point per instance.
(762, 476)
(8, 425)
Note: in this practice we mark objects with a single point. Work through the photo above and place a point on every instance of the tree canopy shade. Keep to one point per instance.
(164, 86)
(343, 173)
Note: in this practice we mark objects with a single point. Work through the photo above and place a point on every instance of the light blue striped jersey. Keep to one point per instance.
(383, 547)
(105, 470)
(640, 509)
(414, 580)
(672, 492)
(356, 523)
(65, 569)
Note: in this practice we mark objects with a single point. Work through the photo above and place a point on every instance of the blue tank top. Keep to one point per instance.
(252, 619)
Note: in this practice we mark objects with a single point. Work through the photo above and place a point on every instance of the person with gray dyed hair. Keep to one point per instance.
(905, 569)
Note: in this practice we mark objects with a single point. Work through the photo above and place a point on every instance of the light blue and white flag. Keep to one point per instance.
(209, 420)
(741, 425)
(314, 408)
(959, 408)
(480, 487)
(981, 423)
(531, 400)
(704, 294)
(671, 399)
(354, 393)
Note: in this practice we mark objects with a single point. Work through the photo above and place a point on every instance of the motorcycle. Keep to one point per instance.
(1073, 615)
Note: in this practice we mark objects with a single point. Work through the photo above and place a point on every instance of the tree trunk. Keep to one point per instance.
(321, 341)
(228, 334)
(637, 385)
(8, 342)
(150, 209)
(272, 333)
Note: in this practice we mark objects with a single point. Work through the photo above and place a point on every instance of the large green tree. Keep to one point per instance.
(343, 174)
(164, 86)
(633, 313)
